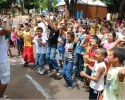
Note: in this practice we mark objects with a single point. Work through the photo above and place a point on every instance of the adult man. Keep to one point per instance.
(4, 65)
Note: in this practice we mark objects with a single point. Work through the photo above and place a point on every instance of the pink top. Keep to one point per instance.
(107, 45)
(13, 36)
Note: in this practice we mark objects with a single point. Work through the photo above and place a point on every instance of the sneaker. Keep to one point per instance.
(25, 64)
(42, 71)
(58, 74)
(69, 87)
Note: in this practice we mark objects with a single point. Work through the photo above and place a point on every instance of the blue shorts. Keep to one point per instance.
(61, 56)
(88, 71)
(40, 59)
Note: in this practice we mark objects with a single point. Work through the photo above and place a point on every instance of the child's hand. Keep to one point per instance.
(122, 39)
(86, 57)
(86, 65)
(82, 53)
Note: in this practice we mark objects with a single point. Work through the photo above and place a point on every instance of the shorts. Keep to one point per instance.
(88, 71)
(94, 94)
(28, 54)
(61, 56)
(4, 72)
(40, 59)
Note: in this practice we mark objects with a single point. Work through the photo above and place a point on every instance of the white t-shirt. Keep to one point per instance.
(3, 49)
(99, 86)
(43, 26)
(40, 48)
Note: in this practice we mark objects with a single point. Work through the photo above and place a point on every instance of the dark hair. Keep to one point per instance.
(94, 36)
(21, 25)
(71, 33)
(103, 51)
(40, 28)
(102, 28)
(98, 41)
(120, 53)
(113, 34)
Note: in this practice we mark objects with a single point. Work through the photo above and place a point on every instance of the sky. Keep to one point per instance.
(59, 0)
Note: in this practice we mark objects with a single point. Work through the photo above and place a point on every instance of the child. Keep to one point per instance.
(102, 34)
(97, 76)
(28, 46)
(40, 44)
(90, 56)
(61, 49)
(68, 62)
(13, 36)
(115, 81)
(79, 62)
(107, 44)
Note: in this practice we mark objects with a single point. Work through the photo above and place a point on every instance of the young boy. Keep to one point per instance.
(97, 76)
(28, 46)
(68, 62)
(115, 82)
(90, 56)
(40, 44)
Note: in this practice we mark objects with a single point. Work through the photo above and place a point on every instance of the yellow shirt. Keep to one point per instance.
(27, 38)
(92, 31)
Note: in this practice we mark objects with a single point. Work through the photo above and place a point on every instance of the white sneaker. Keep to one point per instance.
(42, 71)
(58, 74)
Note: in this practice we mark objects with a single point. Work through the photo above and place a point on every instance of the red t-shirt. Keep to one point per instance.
(91, 56)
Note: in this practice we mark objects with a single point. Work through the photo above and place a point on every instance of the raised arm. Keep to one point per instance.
(7, 28)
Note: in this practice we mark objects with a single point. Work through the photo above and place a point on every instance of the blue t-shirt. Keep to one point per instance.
(61, 46)
(80, 49)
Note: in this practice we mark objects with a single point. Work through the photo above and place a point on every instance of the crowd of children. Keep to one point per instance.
(92, 52)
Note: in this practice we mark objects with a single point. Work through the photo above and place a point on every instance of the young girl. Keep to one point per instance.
(68, 62)
(13, 36)
(107, 44)
(115, 81)
(97, 76)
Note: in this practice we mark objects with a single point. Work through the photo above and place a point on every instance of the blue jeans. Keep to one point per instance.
(40, 59)
(67, 73)
(79, 63)
(51, 58)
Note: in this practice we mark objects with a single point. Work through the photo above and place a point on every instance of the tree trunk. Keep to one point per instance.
(122, 9)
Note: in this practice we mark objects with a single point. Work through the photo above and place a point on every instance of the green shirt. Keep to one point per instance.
(7, 36)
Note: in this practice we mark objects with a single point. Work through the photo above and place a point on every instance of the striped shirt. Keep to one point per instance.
(69, 52)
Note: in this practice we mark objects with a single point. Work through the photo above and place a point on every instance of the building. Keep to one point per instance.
(88, 8)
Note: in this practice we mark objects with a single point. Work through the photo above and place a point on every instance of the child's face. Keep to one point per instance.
(80, 29)
(111, 58)
(39, 32)
(69, 38)
(103, 31)
(93, 43)
(99, 56)
(110, 37)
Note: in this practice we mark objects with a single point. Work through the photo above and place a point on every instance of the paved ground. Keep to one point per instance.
(28, 84)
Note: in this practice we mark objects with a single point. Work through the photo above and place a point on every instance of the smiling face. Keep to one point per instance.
(110, 37)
